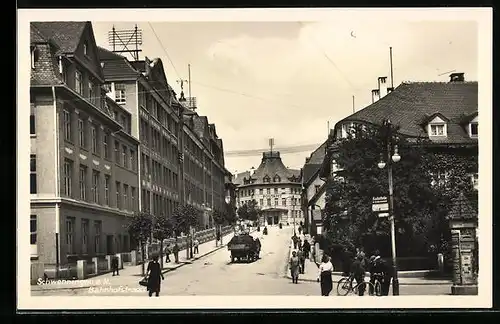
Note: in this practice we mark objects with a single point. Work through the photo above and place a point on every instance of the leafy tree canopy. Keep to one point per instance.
(250, 211)
(140, 227)
(424, 181)
(184, 217)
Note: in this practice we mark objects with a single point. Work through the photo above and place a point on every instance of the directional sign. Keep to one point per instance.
(380, 204)
(383, 215)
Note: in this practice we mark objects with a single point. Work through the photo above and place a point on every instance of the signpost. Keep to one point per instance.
(381, 206)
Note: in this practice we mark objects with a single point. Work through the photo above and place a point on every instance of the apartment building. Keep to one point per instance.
(180, 152)
(84, 164)
(276, 189)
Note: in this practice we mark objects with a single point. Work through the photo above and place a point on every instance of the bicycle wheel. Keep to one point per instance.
(344, 286)
(378, 288)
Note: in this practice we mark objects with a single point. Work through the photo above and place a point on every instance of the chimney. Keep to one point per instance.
(375, 95)
(252, 171)
(457, 77)
(382, 86)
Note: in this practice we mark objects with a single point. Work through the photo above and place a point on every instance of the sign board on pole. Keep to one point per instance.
(383, 215)
(380, 204)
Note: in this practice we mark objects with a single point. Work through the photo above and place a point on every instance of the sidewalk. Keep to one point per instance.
(406, 278)
(130, 276)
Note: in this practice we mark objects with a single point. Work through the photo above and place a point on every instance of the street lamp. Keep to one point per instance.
(390, 160)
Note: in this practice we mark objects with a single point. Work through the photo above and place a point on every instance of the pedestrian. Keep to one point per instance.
(306, 247)
(325, 275)
(175, 250)
(294, 267)
(115, 266)
(300, 230)
(167, 253)
(358, 271)
(295, 241)
(154, 275)
(299, 243)
(372, 269)
(196, 244)
(302, 260)
(217, 237)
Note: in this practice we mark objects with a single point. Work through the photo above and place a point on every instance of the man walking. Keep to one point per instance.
(302, 260)
(295, 240)
(307, 248)
(196, 244)
(115, 266)
(175, 250)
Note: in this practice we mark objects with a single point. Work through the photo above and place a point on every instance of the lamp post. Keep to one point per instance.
(390, 160)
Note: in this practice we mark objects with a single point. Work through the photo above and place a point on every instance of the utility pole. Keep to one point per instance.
(353, 106)
(189, 82)
(180, 147)
(392, 75)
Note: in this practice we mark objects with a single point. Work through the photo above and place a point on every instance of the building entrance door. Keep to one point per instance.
(269, 220)
(276, 219)
(109, 244)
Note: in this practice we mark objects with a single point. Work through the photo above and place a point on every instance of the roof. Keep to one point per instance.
(270, 166)
(313, 164)
(461, 209)
(238, 178)
(412, 103)
(66, 34)
(36, 36)
(115, 66)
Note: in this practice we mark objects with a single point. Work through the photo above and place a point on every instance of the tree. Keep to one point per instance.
(218, 217)
(140, 228)
(163, 228)
(419, 204)
(249, 211)
(184, 217)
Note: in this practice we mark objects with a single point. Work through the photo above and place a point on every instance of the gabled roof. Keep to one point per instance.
(271, 166)
(116, 67)
(66, 34)
(317, 195)
(410, 102)
(313, 164)
(428, 118)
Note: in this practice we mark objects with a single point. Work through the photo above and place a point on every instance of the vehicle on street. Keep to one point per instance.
(244, 247)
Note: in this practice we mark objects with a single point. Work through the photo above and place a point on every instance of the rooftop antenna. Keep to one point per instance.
(446, 72)
(124, 41)
(353, 106)
(271, 144)
(181, 81)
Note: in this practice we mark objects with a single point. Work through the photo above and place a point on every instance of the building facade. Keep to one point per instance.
(181, 156)
(275, 188)
(313, 190)
(445, 113)
(84, 166)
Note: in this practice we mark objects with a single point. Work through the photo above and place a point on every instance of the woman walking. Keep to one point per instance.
(295, 267)
(325, 276)
(154, 274)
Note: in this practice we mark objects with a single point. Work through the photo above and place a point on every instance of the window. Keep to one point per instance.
(68, 176)
(124, 123)
(83, 183)
(105, 145)
(33, 229)
(33, 186)
(132, 198)
(107, 181)
(97, 236)
(120, 93)
(34, 56)
(81, 132)
(269, 201)
(124, 155)
(125, 198)
(475, 180)
(437, 130)
(85, 48)
(275, 191)
(93, 132)
(32, 120)
(95, 186)
(70, 228)
(92, 95)
(262, 202)
(118, 200)
(132, 160)
(85, 235)
(275, 201)
(316, 188)
(67, 125)
(78, 82)
(473, 129)
(268, 190)
(117, 152)
(283, 201)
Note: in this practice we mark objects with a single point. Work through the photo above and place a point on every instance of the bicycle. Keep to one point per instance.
(345, 286)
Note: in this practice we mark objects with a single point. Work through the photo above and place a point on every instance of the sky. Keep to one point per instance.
(290, 80)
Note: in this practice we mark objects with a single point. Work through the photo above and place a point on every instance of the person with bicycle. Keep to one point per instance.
(358, 273)
(372, 268)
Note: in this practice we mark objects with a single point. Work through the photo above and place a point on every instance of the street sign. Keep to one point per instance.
(383, 215)
(380, 204)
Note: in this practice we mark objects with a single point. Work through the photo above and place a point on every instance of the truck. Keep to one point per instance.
(244, 247)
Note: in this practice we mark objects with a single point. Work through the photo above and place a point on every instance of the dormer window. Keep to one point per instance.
(34, 56)
(276, 178)
(473, 132)
(267, 179)
(437, 126)
(85, 49)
